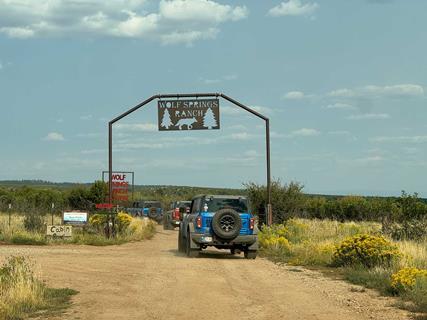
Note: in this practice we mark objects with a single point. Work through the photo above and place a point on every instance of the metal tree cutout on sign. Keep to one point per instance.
(209, 119)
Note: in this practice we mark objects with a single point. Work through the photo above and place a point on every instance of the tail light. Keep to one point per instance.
(176, 214)
(199, 222)
(252, 223)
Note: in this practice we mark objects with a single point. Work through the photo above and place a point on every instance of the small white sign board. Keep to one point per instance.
(75, 217)
(59, 231)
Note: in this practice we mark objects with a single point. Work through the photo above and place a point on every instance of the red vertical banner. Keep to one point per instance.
(122, 185)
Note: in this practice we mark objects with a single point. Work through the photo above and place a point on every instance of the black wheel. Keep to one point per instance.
(233, 251)
(251, 254)
(191, 253)
(226, 224)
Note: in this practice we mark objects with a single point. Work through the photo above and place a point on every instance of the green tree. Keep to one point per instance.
(287, 200)
(98, 192)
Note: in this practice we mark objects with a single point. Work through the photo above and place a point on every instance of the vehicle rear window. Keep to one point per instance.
(152, 205)
(184, 204)
(215, 204)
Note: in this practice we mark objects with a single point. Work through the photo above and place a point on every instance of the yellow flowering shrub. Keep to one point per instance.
(273, 239)
(406, 278)
(366, 250)
(295, 231)
(123, 221)
(97, 220)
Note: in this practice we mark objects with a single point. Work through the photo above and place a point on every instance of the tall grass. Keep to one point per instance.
(139, 229)
(22, 293)
(313, 243)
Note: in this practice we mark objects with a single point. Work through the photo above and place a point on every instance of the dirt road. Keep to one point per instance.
(150, 280)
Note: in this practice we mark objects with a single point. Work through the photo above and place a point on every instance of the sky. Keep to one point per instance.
(343, 83)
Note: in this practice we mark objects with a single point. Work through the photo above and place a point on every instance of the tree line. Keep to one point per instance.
(288, 201)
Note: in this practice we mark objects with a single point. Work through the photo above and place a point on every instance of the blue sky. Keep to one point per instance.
(343, 82)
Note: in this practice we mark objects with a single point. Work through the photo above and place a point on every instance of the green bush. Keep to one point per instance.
(418, 294)
(408, 230)
(33, 222)
(365, 250)
(287, 200)
(375, 278)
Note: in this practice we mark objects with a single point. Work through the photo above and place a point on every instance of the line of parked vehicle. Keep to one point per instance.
(221, 221)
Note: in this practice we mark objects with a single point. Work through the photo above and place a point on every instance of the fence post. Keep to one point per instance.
(53, 207)
(10, 213)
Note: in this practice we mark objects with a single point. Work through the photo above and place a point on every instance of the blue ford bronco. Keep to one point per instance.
(223, 222)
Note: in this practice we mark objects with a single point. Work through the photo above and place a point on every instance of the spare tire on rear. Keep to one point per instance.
(152, 213)
(226, 224)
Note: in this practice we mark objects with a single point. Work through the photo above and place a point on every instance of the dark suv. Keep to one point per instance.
(171, 218)
(145, 208)
(220, 221)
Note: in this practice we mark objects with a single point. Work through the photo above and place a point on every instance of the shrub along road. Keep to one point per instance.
(150, 280)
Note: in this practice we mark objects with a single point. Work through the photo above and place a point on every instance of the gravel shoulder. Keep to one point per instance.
(151, 280)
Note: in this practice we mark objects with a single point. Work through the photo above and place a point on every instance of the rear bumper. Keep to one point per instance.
(250, 241)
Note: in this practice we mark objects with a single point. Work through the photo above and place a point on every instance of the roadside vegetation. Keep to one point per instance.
(379, 243)
(23, 294)
(127, 229)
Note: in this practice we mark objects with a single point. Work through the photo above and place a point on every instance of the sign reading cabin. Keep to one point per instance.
(194, 114)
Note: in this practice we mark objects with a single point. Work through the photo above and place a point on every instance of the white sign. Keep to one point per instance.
(75, 217)
(59, 231)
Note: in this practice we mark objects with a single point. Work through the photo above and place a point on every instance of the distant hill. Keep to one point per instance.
(39, 183)
(164, 188)
(151, 189)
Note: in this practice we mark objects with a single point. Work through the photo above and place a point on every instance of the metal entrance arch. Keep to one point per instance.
(193, 95)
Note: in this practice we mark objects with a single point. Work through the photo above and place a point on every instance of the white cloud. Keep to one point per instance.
(189, 37)
(294, 95)
(342, 106)
(367, 160)
(228, 77)
(375, 91)
(342, 93)
(237, 127)
(252, 153)
(200, 10)
(293, 8)
(54, 136)
(86, 117)
(17, 32)
(231, 110)
(147, 127)
(404, 139)
(231, 77)
(241, 136)
(175, 21)
(409, 90)
(304, 132)
(93, 151)
(369, 116)
(339, 133)
(262, 110)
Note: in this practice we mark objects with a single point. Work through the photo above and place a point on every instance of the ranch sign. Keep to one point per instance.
(194, 114)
